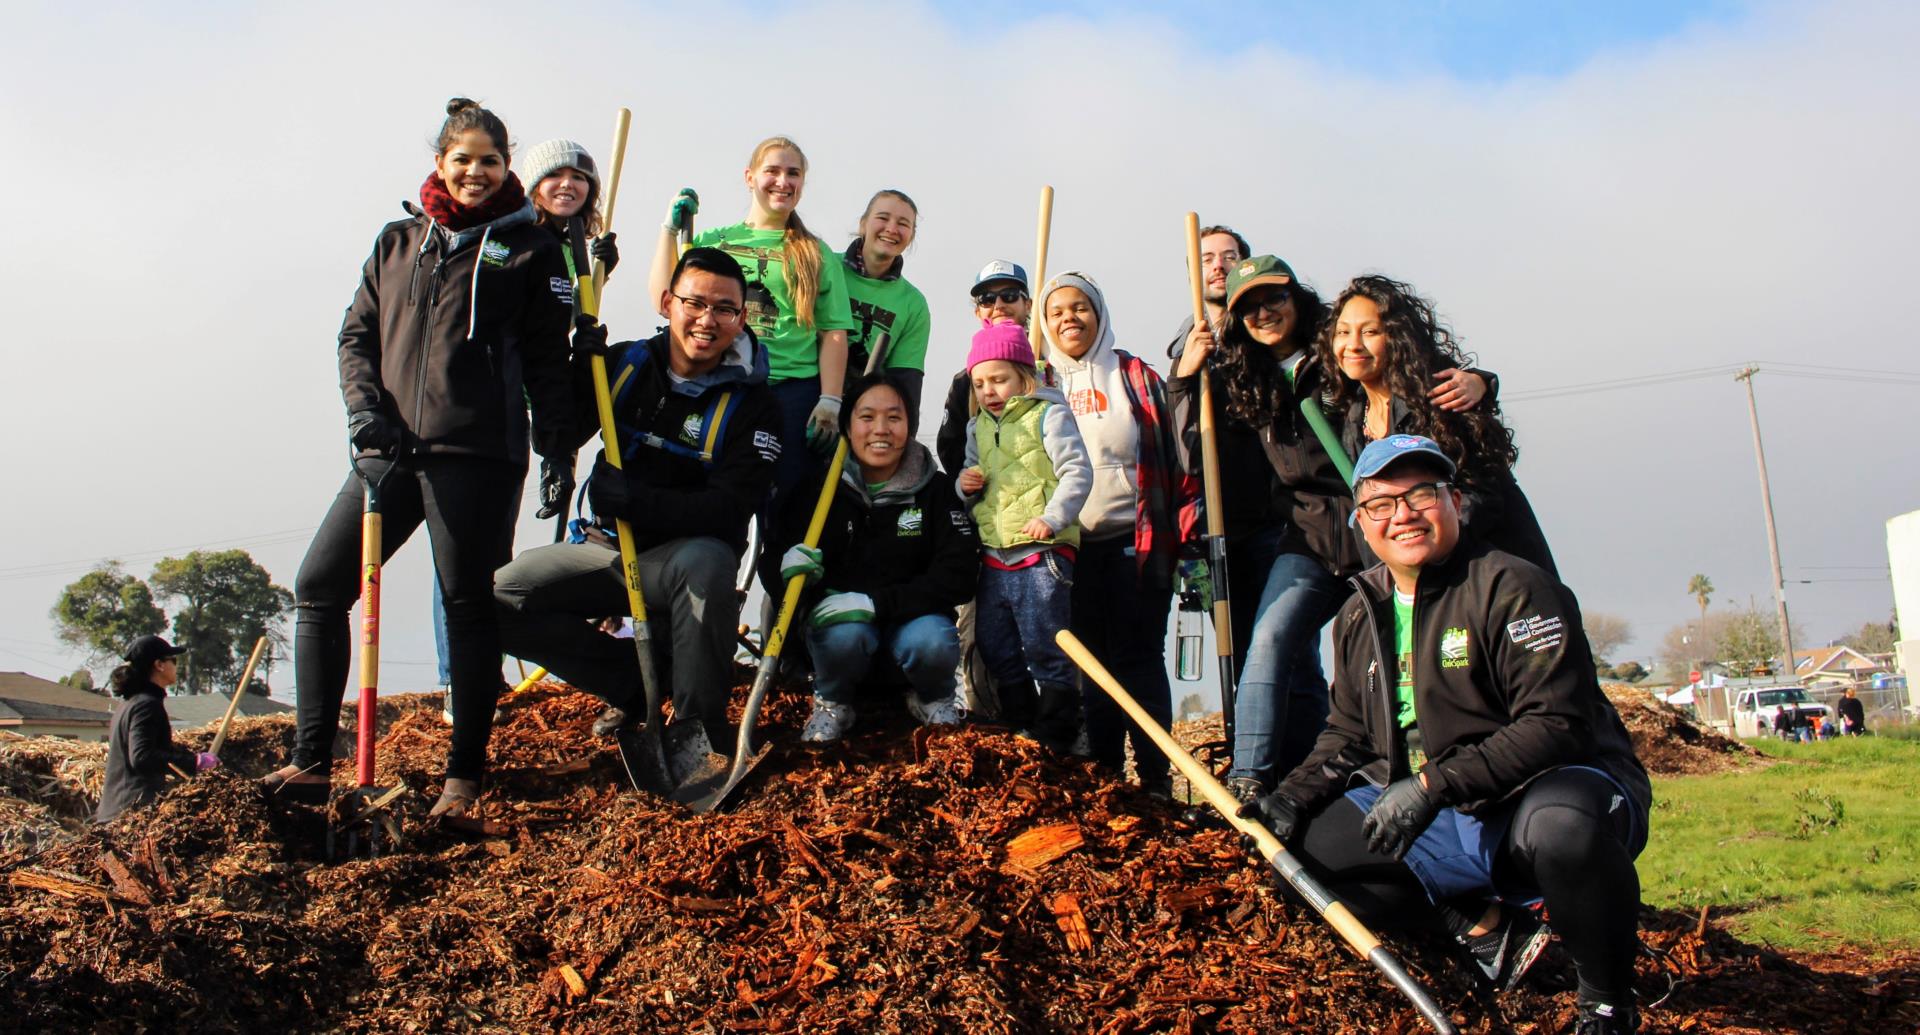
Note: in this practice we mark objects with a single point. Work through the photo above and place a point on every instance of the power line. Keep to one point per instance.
(1855, 375)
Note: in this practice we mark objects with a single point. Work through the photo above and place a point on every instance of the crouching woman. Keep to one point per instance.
(896, 556)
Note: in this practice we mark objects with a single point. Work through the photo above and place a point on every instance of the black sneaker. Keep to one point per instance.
(1505, 953)
(1246, 790)
(1606, 1019)
(610, 722)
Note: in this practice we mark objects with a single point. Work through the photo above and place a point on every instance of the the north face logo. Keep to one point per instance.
(1453, 648)
(910, 521)
(1088, 400)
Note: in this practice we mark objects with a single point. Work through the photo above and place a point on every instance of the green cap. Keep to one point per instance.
(1251, 273)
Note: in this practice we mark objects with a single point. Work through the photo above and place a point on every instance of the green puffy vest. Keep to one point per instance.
(1020, 475)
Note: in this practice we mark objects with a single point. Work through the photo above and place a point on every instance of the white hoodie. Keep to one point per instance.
(1096, 391)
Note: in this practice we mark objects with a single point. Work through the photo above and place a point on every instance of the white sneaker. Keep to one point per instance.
(947, 711)
(828, 723)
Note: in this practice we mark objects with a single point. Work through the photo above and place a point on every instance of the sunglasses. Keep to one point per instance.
(1005, 296)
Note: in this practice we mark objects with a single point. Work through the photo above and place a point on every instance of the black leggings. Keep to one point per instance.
(1565, 839)
(468, 505)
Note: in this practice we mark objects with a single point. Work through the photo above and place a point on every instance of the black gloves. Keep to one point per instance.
(602, 248)
(590, 338)
(1277, 813)
(556, 487)
(371, 432)
(1404, 811)
(608, 492)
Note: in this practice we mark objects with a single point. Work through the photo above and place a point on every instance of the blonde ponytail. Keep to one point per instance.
(799, 249)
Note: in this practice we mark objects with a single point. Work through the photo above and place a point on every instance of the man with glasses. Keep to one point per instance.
(1000, 293)
(1476, 767)
(699, 434)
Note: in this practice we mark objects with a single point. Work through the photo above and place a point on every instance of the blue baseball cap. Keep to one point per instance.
(1380, 455)
(1000, 269)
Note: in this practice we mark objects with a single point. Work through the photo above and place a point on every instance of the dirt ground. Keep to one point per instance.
(906, 881)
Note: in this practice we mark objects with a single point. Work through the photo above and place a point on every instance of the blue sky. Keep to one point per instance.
(1489, 41)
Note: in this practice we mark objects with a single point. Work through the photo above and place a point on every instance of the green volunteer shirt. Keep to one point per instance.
(894, 306)
(1404, 715)
(793, 351)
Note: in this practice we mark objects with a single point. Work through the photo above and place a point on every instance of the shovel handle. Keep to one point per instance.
(246, 675)
(1337, 915)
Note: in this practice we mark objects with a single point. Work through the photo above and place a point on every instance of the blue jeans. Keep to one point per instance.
(1281, 706)
(1124, 624)
(927, 648)
(798, 465)
(1015, 616)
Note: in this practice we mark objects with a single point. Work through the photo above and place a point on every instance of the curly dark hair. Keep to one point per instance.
(1256, 389)
(1419, 346)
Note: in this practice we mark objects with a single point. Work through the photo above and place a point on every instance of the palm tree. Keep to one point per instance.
(1700, 588)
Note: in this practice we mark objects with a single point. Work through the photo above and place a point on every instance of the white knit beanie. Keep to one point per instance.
(550, 156)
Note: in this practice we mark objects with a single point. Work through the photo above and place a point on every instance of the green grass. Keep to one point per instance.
(1820, 850)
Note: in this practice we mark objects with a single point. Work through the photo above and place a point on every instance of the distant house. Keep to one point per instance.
(201, 709)
(35, 707)
(1835, 666)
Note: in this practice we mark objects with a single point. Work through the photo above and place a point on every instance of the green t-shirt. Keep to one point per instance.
(894, 306)
(793, 351)
(1404, 715)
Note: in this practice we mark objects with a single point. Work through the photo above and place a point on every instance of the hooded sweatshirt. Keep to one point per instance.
(1096, 390)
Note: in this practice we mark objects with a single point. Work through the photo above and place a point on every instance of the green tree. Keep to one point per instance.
(1750, 642)
(1873, 638)
(1606, 633)
(1700, 588)
(103, 611)
(79, 679)
(223, 601)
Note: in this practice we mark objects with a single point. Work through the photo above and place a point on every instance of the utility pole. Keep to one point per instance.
(1773, 537)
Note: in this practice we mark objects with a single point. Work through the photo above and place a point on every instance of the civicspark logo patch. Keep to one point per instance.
(1453, 648)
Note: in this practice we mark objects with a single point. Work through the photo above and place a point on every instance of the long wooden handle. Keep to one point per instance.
(369, 639)
(1036, 334)
(1210, 457)
(611, 184)
(1337, 915)
(246, 674)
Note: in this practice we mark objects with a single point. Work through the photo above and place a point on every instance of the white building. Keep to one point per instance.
(1903, 556)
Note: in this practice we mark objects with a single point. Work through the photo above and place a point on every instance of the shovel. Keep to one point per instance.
(1334, 911)
(744, 757)
(677, 761)
(246, 674)
(363, 810)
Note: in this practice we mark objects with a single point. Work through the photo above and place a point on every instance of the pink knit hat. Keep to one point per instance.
(1004, 340)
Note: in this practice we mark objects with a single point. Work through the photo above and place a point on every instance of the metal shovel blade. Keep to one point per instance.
(717, 797)
(679, 764)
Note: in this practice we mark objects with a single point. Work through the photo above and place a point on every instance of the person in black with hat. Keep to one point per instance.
(140, 749)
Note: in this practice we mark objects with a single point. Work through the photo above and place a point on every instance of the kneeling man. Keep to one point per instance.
(698, 438)
(1471, 766)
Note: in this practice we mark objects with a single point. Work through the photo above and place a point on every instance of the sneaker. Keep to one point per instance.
(610, 721)
(828, 723)
(1605, 1019)
(944, 712)
(1246, 790)
(1505, 953)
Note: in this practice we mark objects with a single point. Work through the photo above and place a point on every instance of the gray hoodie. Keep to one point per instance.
(1096, 390)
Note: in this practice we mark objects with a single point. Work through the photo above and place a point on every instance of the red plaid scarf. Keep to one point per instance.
(1167, 508)
(449, 213)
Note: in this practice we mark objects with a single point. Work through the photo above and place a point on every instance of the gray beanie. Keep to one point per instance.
(550, 156)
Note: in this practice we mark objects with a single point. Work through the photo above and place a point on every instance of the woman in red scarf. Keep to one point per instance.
(460, 321)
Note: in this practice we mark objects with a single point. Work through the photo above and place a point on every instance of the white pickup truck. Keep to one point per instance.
(1755, 708)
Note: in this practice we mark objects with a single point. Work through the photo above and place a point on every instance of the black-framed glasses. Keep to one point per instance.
(1271, 306)
(1421, 497)
(725, 312)
(1004, 296)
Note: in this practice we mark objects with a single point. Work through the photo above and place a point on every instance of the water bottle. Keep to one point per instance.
(1187, 626)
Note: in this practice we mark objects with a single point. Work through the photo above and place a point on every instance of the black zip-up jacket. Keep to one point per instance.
(696, 467)
(1503, 683)
(140, 750)
(1303, 488)
(1248, 493)
(451, 335)
(1500, 513)
(911, 545)
(950, 442)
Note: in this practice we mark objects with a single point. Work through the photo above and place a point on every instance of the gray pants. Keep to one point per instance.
(976, 682)
(550, 597)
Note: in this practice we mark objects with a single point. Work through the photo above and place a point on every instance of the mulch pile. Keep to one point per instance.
(954, 880)
(1669, 742)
